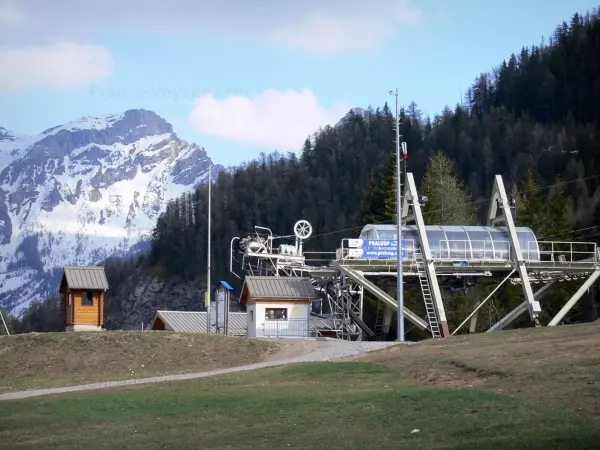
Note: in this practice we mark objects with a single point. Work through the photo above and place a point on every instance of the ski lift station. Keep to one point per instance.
(434, 258)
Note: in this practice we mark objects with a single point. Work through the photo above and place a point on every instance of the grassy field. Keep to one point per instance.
(514, 389)
(43, 360)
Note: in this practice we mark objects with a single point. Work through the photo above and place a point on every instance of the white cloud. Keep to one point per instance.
(313, 25)
(276, 119)
(60, 65)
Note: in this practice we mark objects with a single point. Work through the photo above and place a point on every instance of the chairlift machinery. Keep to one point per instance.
(433, 256)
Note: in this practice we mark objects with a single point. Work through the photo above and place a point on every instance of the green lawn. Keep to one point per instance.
(515, 389)
(326, 405)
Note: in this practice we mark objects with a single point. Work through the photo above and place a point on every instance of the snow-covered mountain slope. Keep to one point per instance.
(80, 192)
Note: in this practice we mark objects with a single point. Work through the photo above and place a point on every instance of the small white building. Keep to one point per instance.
(278, 306)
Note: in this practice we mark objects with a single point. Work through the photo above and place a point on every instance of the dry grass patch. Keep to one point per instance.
(44, 360)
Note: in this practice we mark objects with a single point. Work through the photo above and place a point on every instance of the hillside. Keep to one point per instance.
(526, 389)
(82, 191)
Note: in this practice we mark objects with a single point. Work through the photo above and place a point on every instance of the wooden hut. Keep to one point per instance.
(82, 291)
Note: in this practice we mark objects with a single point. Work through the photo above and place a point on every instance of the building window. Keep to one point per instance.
(276, 314)
(87, 298)
(252, 316)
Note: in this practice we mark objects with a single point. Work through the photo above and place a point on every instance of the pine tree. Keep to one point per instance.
(369, 203)
(376, 206)
(531, 209)
(546, 216)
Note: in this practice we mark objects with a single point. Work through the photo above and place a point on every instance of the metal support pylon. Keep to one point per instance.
(499, 194)
(412, 197)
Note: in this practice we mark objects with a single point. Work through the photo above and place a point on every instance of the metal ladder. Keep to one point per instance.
(432, 318)
(379, 321)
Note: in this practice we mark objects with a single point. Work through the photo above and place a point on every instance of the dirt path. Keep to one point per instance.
(313, 350)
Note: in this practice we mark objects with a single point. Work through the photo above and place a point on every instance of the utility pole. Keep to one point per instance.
(400, 278)
(208, 327)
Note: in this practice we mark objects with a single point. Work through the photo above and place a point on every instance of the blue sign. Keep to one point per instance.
(460, 264)
(382, 248)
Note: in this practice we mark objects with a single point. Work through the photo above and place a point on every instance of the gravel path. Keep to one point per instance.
(327, 350)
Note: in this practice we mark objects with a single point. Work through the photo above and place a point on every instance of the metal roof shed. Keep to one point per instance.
(277, 288)
(195, 322)
(278, 306)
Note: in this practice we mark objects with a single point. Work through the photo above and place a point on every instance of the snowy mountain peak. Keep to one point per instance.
(87, 123)
(79, 192)
(131, 123)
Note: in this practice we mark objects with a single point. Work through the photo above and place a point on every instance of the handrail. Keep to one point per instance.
(442, 250)
(286, 327)
(565, 252)
(445, 250)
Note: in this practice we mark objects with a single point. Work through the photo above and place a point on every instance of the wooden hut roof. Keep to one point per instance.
(85, 277)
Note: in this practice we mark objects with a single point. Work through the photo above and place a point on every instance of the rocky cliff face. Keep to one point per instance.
(135, 302)
(79, 192)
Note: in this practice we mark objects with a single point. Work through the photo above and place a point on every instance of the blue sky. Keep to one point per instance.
(244, 77)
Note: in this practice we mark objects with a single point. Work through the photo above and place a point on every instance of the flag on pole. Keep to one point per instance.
(404, 152)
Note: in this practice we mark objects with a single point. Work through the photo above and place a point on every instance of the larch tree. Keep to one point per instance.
(448, 201)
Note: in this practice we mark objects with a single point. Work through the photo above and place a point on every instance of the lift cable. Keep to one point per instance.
(486, 200)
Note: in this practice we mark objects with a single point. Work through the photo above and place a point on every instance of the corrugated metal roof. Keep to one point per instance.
(86, 277)
(280, 287)
(195, 321)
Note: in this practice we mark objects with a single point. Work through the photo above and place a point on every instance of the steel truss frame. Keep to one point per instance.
(342, 284)
(342, 295)
(546, 272)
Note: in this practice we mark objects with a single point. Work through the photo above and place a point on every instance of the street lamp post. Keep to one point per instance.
(400, 278)
(208, 327)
